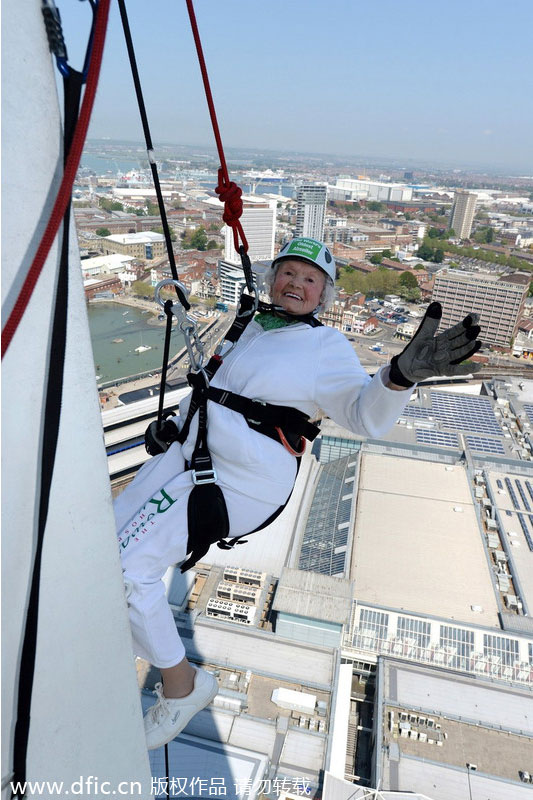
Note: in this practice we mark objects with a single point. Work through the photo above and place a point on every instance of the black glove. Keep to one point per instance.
(427, 355)
(158, 441)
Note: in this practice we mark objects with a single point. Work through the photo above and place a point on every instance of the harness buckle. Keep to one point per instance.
(201, 476)
(256, 421)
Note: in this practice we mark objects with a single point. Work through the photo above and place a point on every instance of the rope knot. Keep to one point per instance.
(229, 194)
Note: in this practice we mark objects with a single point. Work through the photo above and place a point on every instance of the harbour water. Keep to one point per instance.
(114, 360)
(103, 165)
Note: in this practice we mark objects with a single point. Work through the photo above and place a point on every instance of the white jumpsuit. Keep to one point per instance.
(311, 369)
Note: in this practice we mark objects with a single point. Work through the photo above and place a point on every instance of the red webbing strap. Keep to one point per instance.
(69, 175)
(228, 191)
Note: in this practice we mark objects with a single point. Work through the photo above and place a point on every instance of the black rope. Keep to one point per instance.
(167, 772)
(52, 414)
(149, 147)
(166, 353)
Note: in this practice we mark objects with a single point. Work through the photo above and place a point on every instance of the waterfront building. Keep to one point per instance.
(144, 245)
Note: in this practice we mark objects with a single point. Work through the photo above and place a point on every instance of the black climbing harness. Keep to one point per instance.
(206, 512)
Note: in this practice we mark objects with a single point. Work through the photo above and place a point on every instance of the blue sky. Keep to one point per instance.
(443, 82)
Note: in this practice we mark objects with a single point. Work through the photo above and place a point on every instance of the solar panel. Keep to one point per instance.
(528, 408)
(436, 437)
(512, 494)
(484, 444)
(522, 495)
(529, 538)
(472, 414)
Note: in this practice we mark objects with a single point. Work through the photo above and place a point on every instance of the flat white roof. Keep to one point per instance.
(413, 551)
(513, 538)
(232, 644)
(460, 697)
(442, 782)
(113, 259)
(136, 238)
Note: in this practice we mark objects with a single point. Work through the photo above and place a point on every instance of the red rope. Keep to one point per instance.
(227, 190)
(69, 175)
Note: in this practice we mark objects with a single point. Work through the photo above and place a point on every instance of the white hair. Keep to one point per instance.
(328, 292)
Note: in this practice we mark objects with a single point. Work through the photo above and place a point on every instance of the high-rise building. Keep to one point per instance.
(311, 210)
(498, 300)
(258, 221)
(463, 210)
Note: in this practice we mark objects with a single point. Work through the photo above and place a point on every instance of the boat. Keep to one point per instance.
(266, 176)
(142, 348)
(124, 313)
(129, 321)
(117, 341)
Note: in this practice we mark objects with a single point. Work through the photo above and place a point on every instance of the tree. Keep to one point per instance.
(374, 205)
(110, 205)
(213, 245)
(152, 209)
(438, 256)
(160, 229)
(490, 235)
(434, 233)
(196, 240)
(425, 252)
(408, 279)
(377, 258)
(386, 253)
(103, 232)
(143, 289)
(411, 294)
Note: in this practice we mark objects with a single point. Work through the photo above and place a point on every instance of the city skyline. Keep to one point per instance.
(387, 83)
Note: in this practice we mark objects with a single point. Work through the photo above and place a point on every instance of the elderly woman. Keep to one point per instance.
(282, 360)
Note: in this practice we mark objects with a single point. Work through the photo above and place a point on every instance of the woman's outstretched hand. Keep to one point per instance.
(427, 355)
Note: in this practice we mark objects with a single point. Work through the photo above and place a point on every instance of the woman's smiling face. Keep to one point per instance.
(298, 286)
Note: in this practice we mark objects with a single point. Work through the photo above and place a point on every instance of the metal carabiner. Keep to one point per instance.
(56, 40)
(186, 324)
(255, 305)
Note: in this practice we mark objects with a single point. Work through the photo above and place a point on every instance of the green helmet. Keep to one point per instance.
(309, 250)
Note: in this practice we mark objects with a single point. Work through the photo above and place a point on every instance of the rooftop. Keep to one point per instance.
(310, 594)
(434, 724)
(512, 497)
(418, 543)
(136, 238)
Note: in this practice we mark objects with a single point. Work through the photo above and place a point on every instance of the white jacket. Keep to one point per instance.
(311, 369)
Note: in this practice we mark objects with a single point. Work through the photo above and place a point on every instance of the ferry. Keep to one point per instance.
(266, 176)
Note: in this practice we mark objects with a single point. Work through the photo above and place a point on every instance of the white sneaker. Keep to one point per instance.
(168, 717)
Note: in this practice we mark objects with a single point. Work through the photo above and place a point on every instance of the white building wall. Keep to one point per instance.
(311, 210)
(259, 226)
(85, 713)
